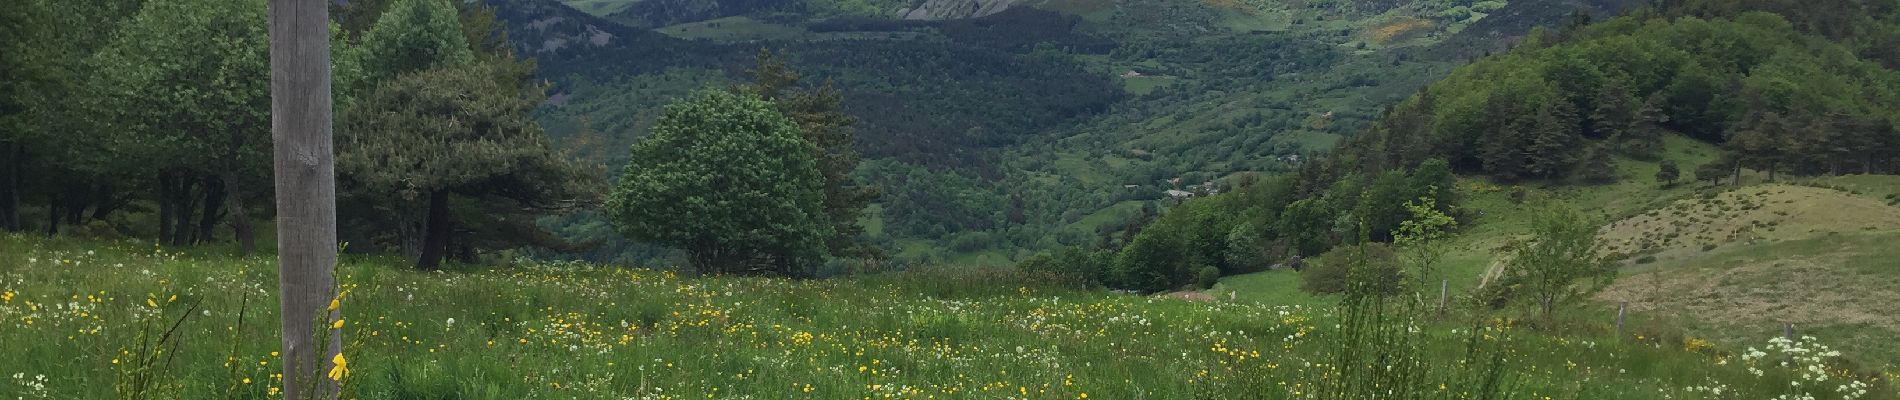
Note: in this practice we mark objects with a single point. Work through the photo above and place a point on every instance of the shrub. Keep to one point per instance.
(1089, 268)
(1207, 277)
(1371, 268)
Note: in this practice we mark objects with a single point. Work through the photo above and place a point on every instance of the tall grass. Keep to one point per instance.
(570, 330)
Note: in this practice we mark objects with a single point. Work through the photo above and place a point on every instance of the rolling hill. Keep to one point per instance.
(1070, 108)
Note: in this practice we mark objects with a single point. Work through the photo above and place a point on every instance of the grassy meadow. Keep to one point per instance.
(87, 319)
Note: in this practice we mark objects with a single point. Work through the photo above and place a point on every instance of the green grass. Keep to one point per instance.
(1836, 286)
(1268, 287)
(732, 29)
(1143, 85)
(1881, 187)
(599, 8)
(71, 308)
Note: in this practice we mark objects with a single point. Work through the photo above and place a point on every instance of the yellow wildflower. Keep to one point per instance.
(342, 368)
(337, 325)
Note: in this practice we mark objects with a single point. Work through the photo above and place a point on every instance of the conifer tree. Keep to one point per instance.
(817, 111)
(1552, 149)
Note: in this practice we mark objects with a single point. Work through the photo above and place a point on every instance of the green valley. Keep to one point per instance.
(991, 199)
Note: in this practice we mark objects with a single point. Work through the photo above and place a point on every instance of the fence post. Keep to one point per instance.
(1443, 286)
(1621, 309)
(1787, 331)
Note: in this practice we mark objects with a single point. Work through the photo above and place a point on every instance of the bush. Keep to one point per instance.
(1088, 268)
(1207, 277)
(1368, 268)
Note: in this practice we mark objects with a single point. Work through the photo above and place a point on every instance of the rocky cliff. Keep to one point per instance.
(955, 9)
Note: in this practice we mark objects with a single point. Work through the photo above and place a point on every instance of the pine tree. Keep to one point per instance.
(1504, 141)
(1646, 131)
(424, 139)
(1596, 167)
(817, 110)
(1554, 141)
(1615, 116)
(1761, 141)
(1667, 173)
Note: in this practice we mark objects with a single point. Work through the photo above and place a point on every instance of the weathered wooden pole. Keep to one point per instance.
(1621, 309)
(306, 192)
(1444, 291)
(1787, 331)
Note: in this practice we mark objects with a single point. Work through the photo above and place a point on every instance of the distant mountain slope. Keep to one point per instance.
(565, 42)
(650, 14)
(1508, 24)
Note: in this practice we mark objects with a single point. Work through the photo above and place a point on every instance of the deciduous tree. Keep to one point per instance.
(820, 120)
(730, 180)
(1562, 263)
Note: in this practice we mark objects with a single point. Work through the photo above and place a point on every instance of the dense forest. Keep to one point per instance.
(1779, 88)
(1037, 128)
(1303, 199)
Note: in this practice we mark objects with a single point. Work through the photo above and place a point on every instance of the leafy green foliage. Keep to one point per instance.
(1370, 269)
(1562, 264)
(194, 112)
(1667, 173)
(1422, 238)
(1750, 79)
(412, 36)
(816, 111)
(730, 180)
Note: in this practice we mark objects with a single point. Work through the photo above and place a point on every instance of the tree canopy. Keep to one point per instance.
(730, 180)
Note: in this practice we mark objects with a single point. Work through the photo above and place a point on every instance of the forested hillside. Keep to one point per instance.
(1066, 115)
(1769, 89)
(1279, 199)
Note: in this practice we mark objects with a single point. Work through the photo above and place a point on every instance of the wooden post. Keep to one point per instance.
(1621, 309)
(1787, 331)
(305, 189)
(1444, 292)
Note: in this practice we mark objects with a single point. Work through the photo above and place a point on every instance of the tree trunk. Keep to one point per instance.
(10, 187)
(52, 217)
(76, 200)
(240, 218)
(409, 233)
(165, 208)
(214, 210)
(1738, 175)
(184, 207)
(435, 244)
(108, 202)
(305, 171)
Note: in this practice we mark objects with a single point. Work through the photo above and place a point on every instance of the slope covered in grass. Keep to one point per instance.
(587, 331)
(1731, 263)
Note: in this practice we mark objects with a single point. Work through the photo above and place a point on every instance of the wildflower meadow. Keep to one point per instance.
(83, 320)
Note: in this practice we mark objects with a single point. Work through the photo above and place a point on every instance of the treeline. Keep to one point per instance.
(1255, 224)
(1018, 29)
(1805, 93)
(1789, 91)
(151, 119)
